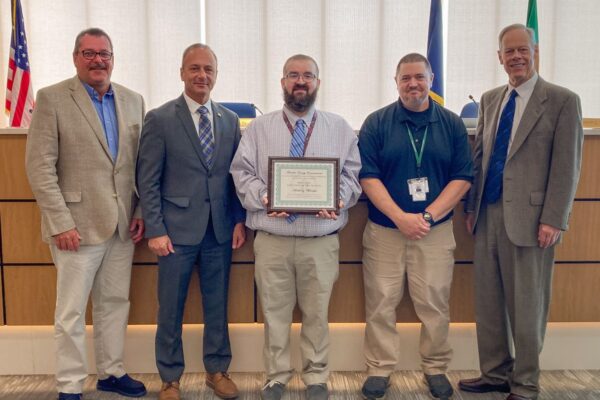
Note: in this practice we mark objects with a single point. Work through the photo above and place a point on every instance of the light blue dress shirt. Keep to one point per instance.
(107, 113)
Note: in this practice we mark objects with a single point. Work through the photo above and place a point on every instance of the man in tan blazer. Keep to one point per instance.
(527, 159)
(81, 155)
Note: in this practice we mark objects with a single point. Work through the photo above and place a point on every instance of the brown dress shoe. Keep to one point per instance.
(169, 391)
(478, 385)
(222, 384)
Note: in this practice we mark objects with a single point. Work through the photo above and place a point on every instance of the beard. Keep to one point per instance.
(300, 103)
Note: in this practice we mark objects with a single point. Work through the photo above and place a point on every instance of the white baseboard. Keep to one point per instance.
(29, 350)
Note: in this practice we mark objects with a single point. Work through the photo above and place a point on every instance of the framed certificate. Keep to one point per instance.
(303, 185)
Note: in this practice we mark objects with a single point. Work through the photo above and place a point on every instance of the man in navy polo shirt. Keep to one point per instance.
(416, 166)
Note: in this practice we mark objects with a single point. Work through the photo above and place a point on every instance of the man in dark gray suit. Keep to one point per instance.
(192, 216)
(527, 159)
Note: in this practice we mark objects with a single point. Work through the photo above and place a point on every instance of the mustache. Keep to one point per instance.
(97, 66)
(300, 87)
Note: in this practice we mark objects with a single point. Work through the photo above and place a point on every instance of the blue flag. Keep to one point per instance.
(435, 51)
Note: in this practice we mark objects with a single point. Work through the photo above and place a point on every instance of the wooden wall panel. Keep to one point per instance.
(575, 293)
(589, 184)
(22, 235)
(351, 235)
(12, 168)
(580, 242)
(144, 304)
(31, 295)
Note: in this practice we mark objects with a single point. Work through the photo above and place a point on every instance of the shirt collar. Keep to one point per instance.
(403, 116)
(525, 90)
(93, 93)
(193, 105)
(294, 118)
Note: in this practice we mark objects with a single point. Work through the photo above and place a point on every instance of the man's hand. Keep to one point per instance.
(265, 201)
(136, 230)
(161, 245)
(239, 235)
(67, 241)
(469, 222)
(413, 226)
(547, 235)
(329, 214)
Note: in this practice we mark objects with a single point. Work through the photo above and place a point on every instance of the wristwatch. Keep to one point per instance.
(427, 217)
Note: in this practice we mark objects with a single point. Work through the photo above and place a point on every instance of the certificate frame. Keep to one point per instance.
(303, 185)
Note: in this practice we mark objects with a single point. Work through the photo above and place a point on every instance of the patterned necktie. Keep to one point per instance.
(298, 139)
(207, 142)
(493, 183)
(297, 150)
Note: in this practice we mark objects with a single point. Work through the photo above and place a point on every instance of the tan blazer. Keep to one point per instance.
(543, 164)
(70, 170)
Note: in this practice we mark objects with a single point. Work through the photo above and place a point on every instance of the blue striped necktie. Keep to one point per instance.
(493, 183)
(297, 149)
(207, 142)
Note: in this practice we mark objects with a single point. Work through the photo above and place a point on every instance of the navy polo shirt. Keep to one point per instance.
(387, 154)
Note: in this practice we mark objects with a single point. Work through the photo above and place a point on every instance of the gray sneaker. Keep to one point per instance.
(375, 387)
(439, 386)
(272, 390)
(317, 392)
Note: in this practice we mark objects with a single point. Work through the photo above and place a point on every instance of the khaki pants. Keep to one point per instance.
(289, 269)
(389, 257)
(105, 271)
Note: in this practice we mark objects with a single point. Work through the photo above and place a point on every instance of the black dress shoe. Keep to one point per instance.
(478, 385)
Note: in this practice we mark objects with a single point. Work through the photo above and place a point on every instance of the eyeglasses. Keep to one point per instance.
(307, 76)
(91, 54)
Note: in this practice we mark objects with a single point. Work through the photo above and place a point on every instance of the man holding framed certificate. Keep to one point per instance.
(416, 166)
(296, 173)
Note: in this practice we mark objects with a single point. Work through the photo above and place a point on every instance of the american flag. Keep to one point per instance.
(19, 93)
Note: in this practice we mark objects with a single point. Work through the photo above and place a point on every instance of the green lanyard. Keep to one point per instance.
(418, 154)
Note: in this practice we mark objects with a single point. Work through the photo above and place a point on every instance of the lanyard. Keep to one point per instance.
(308, 134)
(418, 154)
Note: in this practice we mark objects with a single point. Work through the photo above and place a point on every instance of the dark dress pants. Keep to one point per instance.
(213, 262)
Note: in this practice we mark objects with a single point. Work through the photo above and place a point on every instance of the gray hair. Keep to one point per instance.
(513, 27)
(97, 32)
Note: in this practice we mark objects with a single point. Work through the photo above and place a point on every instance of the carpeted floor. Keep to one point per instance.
(408, 385)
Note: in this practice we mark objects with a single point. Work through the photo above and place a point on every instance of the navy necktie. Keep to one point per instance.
(207, 142)
(493, 183)
(297, 149)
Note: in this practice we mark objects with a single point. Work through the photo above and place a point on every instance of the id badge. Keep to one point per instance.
(418, 188)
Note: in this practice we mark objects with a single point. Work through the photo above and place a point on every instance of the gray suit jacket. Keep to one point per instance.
(543, 163)
(178, 192)
(70, 170)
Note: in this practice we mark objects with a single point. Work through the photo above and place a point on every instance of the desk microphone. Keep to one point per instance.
(473, 100)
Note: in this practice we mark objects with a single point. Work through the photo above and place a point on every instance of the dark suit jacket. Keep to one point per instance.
(178, 192)
(543, 163)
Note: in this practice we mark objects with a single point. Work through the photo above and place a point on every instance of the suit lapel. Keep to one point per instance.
(119, 104)
(183, 113)
(533, 111)
(83, 101)
(489, 134)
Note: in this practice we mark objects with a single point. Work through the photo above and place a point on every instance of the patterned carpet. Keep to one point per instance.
(406, 385)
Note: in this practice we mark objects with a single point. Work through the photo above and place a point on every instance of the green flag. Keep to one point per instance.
(532, 20)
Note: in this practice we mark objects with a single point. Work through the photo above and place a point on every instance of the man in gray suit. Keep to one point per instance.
(192, 216)
(81, 153)
(527, 159)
